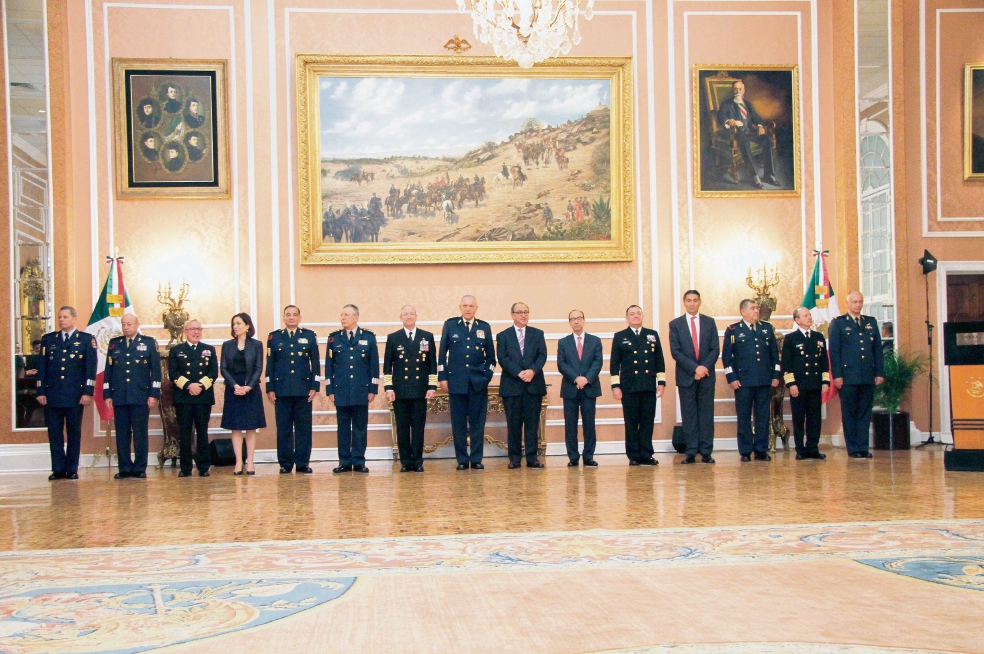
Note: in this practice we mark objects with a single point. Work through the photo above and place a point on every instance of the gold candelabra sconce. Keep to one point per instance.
(768, 279)
(174, 316)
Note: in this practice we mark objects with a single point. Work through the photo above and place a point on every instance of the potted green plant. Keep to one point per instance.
(891, 425)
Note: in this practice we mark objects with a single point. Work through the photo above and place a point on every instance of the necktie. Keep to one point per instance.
(754, 328)
(522, 342)
(64, 337)
(580, 348)
(411, 335)
(291, 333)
(693, 336)
(636, 331)
(468, 326)
(350, 336)
(128, 341)
(744, 112)
(193, 348)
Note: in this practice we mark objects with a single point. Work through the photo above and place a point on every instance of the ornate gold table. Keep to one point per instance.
(442, 404)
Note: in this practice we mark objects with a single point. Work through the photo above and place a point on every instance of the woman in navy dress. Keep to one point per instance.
(242, 413)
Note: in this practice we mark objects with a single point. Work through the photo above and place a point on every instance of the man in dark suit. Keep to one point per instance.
(293, 378)
(194, 367)
(738, 113)
(805, 370)
(351, 384)
(638, 378)
(132, 386)
(751, 364)
(465, 367)
(579, 361)
(522, 352)
(410, 379)
(66, 383)
(694, 346)
(857, 365)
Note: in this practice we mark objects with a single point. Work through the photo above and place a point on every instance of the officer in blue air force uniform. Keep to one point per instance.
(132, 386)
(857, 365)
(293, 378)
(465, 367)
(751, 363)
(351, 383)
(66, 383)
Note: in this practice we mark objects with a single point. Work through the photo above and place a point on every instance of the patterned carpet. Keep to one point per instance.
(288, 595)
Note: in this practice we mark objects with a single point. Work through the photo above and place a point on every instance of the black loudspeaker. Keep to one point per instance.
(221, 452)
(964, 460)
(679, 440)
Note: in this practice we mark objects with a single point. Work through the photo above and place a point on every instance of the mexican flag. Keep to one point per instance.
(104, 324)
(819, 299)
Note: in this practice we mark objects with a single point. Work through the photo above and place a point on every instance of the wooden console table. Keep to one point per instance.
(442, 404)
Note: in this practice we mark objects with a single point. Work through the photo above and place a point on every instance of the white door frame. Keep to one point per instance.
(945, 268)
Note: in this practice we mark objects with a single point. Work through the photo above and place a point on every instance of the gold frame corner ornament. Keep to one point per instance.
(695, 95)
(309, 67)
(120, 141)
(457, 45)
(968, 134)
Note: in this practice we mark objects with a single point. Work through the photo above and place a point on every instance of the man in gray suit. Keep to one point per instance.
(695, 348)
(579, 360)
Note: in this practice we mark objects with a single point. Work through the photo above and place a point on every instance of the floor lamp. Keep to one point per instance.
(929, 263)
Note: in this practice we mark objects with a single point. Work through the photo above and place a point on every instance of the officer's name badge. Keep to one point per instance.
(480, 333)
(303, 341)
(363, 342)
(651, 338)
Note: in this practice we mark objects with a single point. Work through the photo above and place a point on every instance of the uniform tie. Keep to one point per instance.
(411, 335)
(128, 341)
(64, 337)
(522, 342)
(468, 326)
(754, 328)
(193, 348)
(580, 348)
(291, 333)
(635, 331)
(693, 336)
(350, 335)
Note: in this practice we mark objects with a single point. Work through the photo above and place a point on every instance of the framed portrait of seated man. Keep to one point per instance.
(746, 130)
(974, 121)
(170, 128)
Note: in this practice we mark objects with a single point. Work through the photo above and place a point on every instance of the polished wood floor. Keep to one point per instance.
(97, 511)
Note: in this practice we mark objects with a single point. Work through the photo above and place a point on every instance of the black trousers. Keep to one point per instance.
(411, 417)
(586, 407)
(193, 418)
(522, 417)
(64, 424)
(856, 402)
(293, 431)
(765, 142)
(748, 398)
(697, 414)
(639, 412)
(131, 429)
(353, 423)
(468, 412)
(806, 412)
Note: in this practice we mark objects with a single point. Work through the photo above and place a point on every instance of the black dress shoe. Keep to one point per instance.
(477, 466)
(405, 468)
(55, 475)
(591, 463)
(535, 464)
(756, 182)
(204, 473)
(800, 457)
(284, 470)
(690, 459)
(305, 470)
(514, 464)
(649, 462)
(772, 181)
(817, 455)
(121, 475)
(634, 463)
(745, 458)
(364, 470)
(139, 475)
(572, 464)
(862, 455)
(419, 467)
(184, 473)
(71, 475)
(462, 466)
(708, 459)
(340, 469)
(762, 456)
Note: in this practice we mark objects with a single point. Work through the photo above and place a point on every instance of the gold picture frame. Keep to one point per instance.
(171, 128)
(720, 151)
(402, 216)
(973, 150)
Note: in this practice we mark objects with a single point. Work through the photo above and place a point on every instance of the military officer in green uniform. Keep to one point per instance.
(805, 371)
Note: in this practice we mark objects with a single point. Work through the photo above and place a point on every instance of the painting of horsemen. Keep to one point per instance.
(428, 160)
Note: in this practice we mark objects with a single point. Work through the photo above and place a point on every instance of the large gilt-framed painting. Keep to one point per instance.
(418, 159)
(974, 121)
(746, 130)
(170, 131)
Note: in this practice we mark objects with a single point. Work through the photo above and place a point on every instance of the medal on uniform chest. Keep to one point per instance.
(651, 338)
(480, 333)
(302, 341)
(363, 342)
(424, 345)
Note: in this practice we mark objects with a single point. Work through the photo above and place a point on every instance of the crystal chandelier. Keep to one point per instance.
(527, 30)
